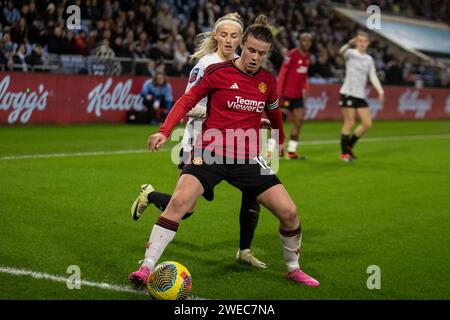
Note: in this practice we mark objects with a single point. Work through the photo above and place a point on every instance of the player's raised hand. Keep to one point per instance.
(155, 141)
(352, 41)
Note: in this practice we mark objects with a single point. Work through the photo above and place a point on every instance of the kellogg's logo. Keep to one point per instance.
(409, 101)
(120, 98)
(21, 104)
(315, 104)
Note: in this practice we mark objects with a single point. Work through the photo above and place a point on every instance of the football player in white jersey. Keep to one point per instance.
(216, 46)
(359, 66)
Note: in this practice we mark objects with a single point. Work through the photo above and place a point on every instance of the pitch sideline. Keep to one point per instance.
(101, 285)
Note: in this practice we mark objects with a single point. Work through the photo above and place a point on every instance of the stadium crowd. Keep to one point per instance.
(164, 32)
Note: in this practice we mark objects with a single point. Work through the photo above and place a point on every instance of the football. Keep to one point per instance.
(169, 281)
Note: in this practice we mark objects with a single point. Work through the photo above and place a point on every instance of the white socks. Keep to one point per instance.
(292, 146)
(159, 239)
(291, 250)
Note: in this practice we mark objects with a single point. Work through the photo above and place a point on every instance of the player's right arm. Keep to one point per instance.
(179, 110)
(344, 49)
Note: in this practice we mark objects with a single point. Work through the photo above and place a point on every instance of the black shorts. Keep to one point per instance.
(252, 177)
(293, 103)
(352, 102)
(185, 158)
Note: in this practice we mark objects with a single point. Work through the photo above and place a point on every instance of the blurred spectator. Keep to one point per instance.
(35, 57)
(181, 56)
(80, 44)
(19, 58)
(56, 41)
(7, 44)
(162, 49)
(165, 30)
(394, 73)
(50, 15)
(37, 31)
(157, 97)
(91, 10)
(29, 12)
(10, 13)
(118, 47)
(165, 21)
(321, 68)
(19, 31)
(105, 56)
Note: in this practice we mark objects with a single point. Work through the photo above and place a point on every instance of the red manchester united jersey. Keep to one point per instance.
(293, 77)
(236, 101)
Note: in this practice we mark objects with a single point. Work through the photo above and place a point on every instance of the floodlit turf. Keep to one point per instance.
(391, 208)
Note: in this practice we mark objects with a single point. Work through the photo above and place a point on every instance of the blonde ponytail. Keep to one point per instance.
(206, 45)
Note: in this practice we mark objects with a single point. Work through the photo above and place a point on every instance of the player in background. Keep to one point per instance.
(293, 91)
(239, 91)
(217, 46)
(358, 66)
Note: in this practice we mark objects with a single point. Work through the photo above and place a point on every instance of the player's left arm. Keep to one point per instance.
(273, 111)
(376, 82)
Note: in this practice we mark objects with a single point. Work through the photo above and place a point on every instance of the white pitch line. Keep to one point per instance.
(72, 154)
(136, 151)
(46, 276)
(101, 285)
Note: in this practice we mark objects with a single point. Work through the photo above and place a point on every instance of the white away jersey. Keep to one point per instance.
(199, 111)
(358, 68)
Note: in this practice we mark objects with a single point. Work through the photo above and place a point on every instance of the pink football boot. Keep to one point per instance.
(299, 276)
(139, 278)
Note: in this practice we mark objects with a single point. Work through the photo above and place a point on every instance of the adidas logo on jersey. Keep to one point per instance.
(234, 86)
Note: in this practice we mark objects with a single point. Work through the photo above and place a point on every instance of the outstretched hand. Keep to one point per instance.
(155, 141)
(265, 124)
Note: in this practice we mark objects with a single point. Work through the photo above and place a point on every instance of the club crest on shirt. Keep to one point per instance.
(197, 161)
(194, 75)
(262, 87)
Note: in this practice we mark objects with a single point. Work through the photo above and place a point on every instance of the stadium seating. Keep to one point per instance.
(164, 31)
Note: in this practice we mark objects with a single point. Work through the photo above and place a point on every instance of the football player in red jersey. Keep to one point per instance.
(239, 91)
(216, 46)
(293, 90)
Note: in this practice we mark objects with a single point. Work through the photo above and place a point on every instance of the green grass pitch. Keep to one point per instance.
(391, 208)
